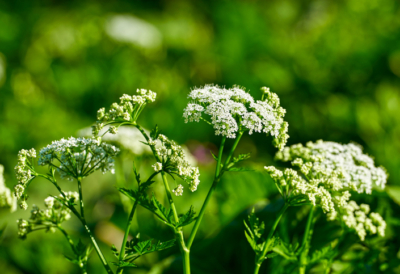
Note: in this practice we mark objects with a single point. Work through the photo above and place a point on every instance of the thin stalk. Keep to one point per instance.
(83, 221)
(305, 246)
(127, 229)
(261, 258)
(178, 232)
(80, 196)
(218, 174)
(96, 247)
(71, 243)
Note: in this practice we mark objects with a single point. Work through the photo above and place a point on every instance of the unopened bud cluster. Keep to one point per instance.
(54, 214)
(233, 110)
(128, 110)
(173, 160)
(360, 219)
(24, 172)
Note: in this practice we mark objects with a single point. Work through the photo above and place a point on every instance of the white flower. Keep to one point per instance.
(7, 199)
(356, 218)
(157, 167)
(175, 161)
(353, 169)
(178, 191)
(78, 157)
(233, 110)
(128, 109)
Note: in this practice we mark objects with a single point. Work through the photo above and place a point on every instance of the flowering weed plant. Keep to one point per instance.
(323, 177)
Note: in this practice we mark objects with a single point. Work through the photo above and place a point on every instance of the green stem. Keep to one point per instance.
(218, 174)
(71, 243)
(80, 196)
(81, 267)
(178, 232)
(267, 242)
(305, 246)
(127, 229)
(96, 247)
(83, 221)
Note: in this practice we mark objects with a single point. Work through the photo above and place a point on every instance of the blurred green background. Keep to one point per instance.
(334, 64)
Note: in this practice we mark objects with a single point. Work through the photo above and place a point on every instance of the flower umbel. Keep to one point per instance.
(357, 169)
(174, 162)
(55, 213)
(78, 157)
(358, 218)
(127, 110)
(233, 110)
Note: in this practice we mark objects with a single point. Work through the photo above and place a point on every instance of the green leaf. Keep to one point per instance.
(154, 133)
(394, 193)
(240, 169)
(163, 213)
(214, 156)
(142, 198)
(286, 250)
(114, 250)
(240, 158)
(187, 218)
(254, 231)
(144, 247)
(137, 175)
(325, 253)
(124, 264)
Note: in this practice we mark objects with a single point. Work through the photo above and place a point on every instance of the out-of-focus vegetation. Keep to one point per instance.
(334, 64)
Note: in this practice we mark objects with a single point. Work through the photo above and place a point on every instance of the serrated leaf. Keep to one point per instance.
(124, 264)
(285, 250)
(154, 133)
(137, 175)
(144, 247)
(241, 157)
(271, 255)
(254, 232)
(187, 218)
(323, 253)
(80, 247)
(142, 198)
(164, 213)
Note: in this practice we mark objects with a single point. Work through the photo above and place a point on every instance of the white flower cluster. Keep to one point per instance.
(311, 184)
(128, 109)
(24, 173)
(233, 110)
(174, 161)
(178, 191)
(359, 218)
(78, 157)
(357, 168)
(54, 214)
(7, 199)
